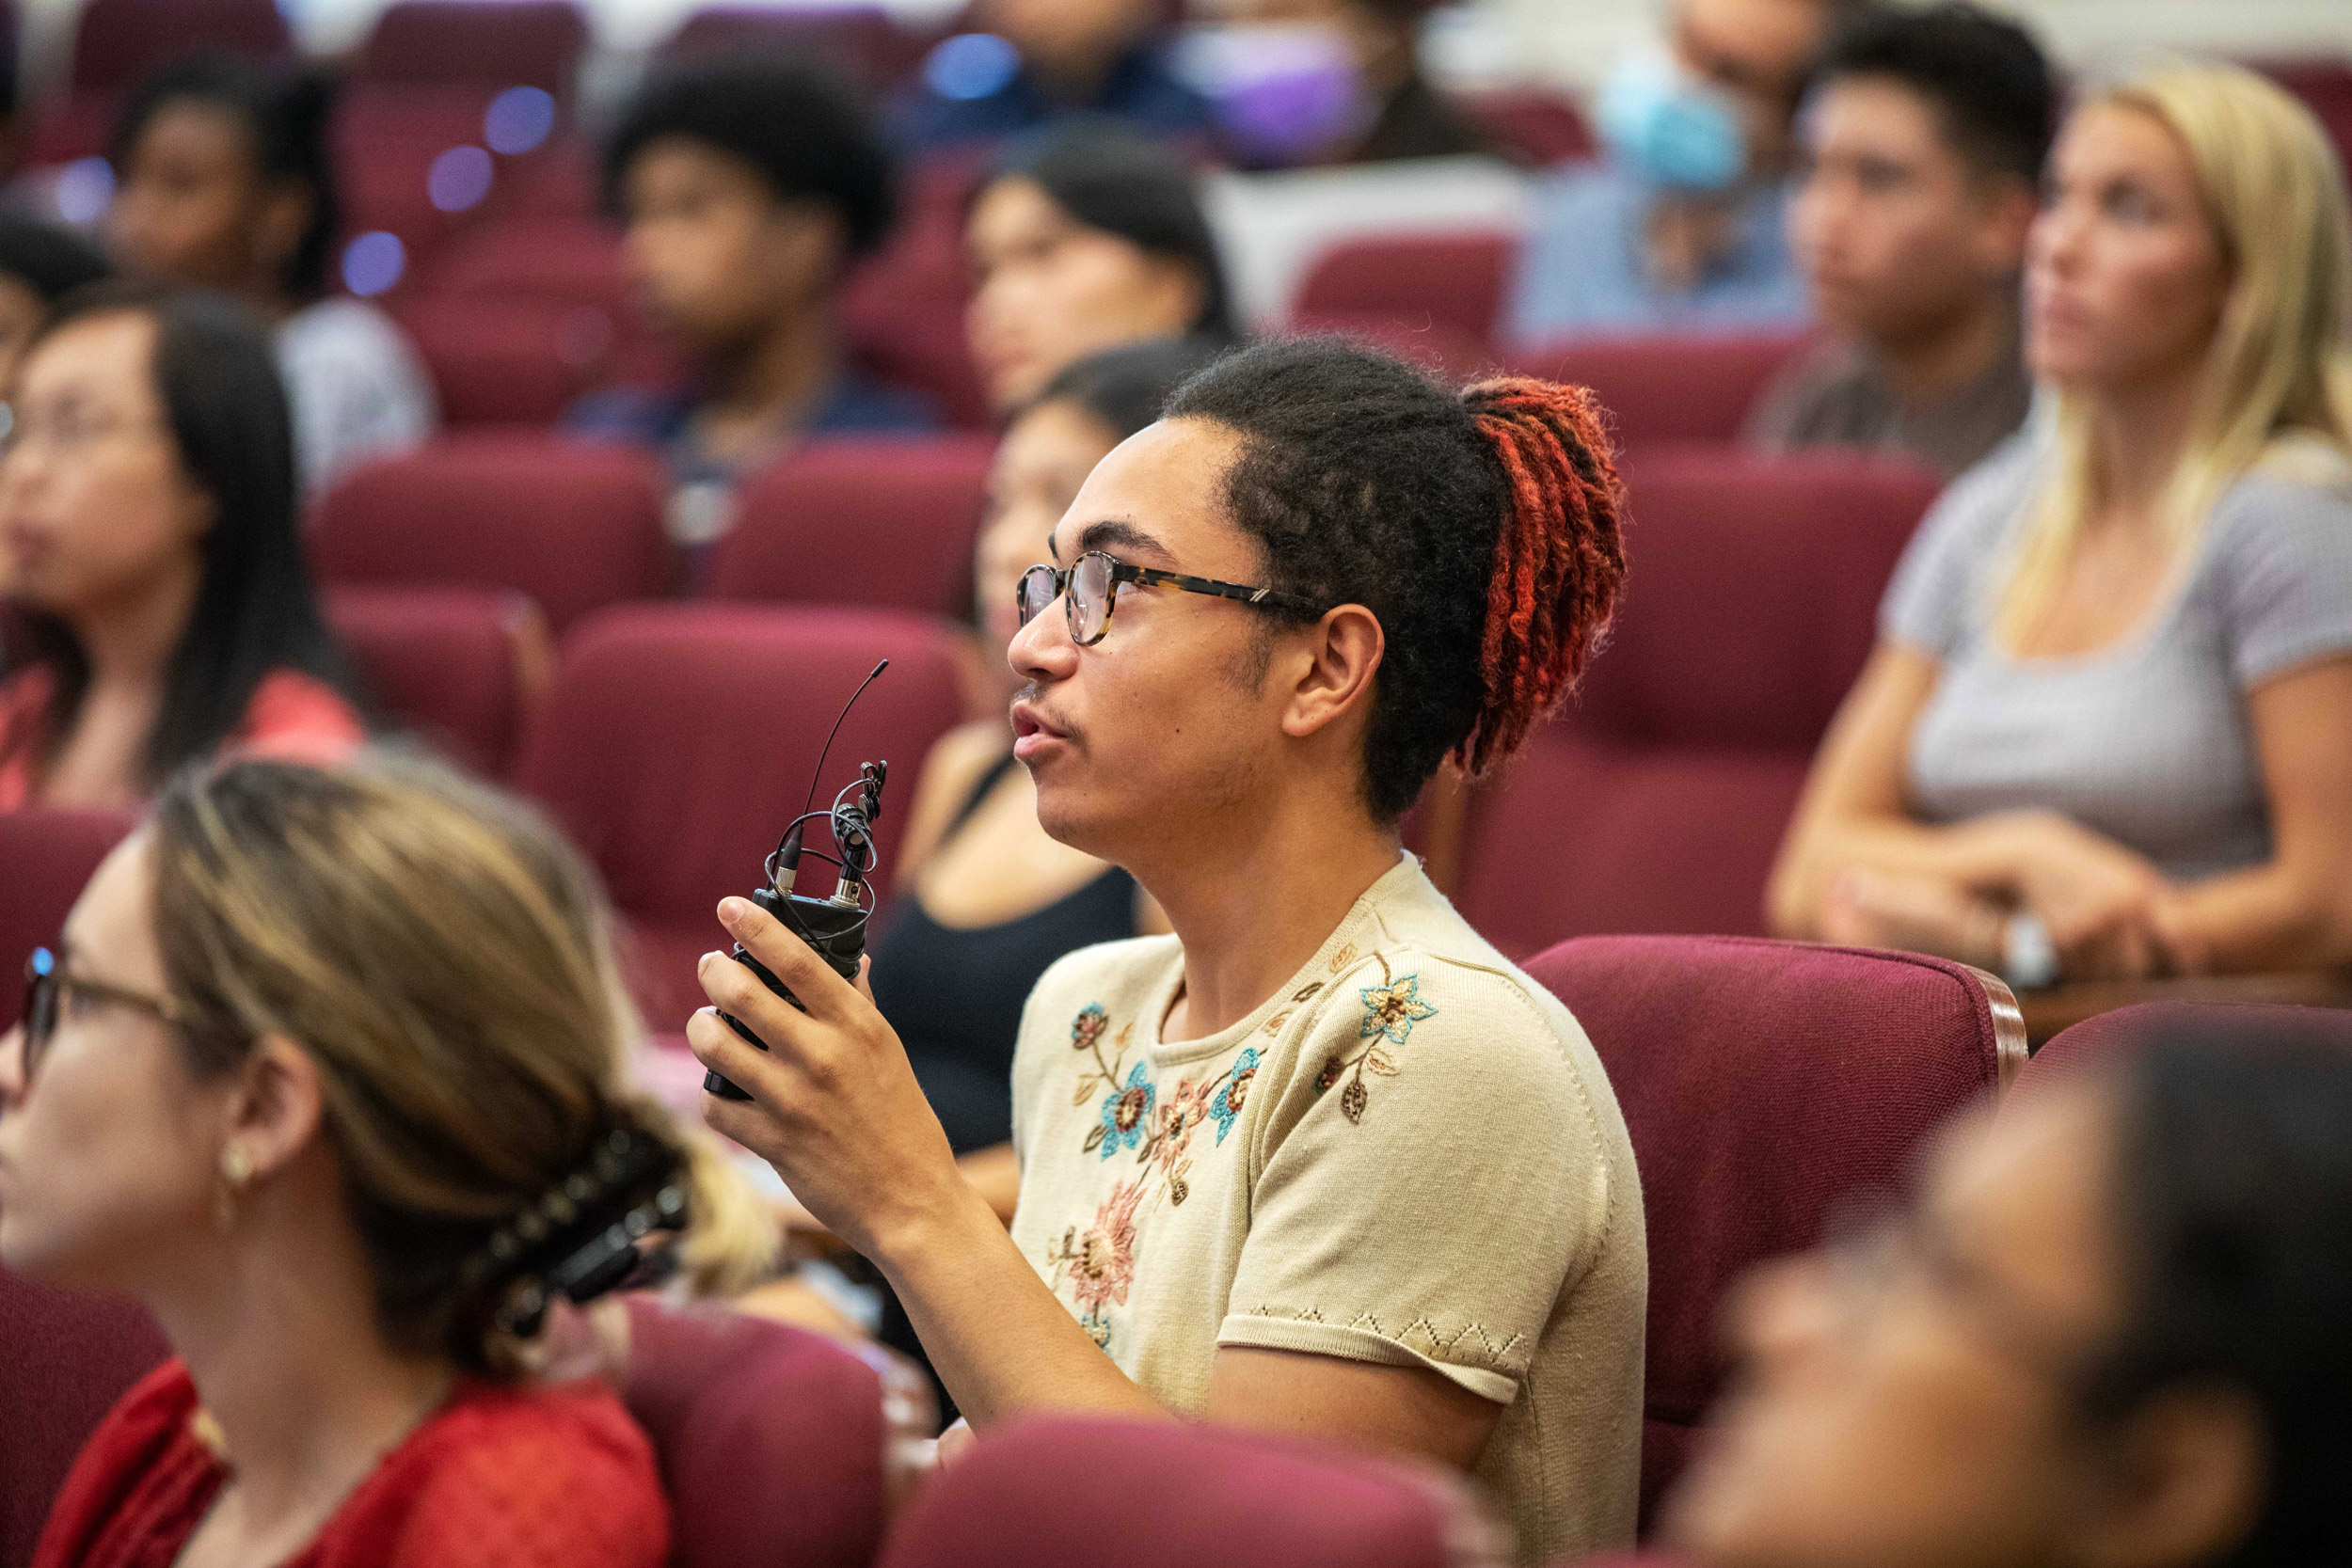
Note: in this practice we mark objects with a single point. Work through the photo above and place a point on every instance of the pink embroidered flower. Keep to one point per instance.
(1103, 1264)
(1089, 1026)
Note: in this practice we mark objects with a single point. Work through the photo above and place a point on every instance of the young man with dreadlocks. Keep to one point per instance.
(1321, 1160)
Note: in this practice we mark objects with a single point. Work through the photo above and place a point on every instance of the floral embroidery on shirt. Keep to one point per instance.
(1100, 1265)
(1233, 1092)
(1089, 1026)
(1125, 1113)
(1391, 1010)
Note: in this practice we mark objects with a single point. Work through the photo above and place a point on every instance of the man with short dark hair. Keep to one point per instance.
(747, 189)
(1922, 150)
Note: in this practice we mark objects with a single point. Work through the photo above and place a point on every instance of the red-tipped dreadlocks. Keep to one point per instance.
(1559, 556)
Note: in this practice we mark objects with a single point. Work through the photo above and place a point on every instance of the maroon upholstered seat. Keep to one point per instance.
(1454, 278)
(1164, 1494)
(457, 667)
(1762, 1083)
(677, 742)
(510, 361)
(862, 41)
(574, 525)
(772, 1440)
(1657, 802)
(571, 260)
(65, 1359)
(45, 859)
(1535, 125)
(880, 521)
(2104, 1036)
(534, 43)
(1667, 389)
(118, 42)
(1433, 343)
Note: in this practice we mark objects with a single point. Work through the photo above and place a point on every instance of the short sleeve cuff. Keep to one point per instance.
(1357, 1344)
(2278, 655)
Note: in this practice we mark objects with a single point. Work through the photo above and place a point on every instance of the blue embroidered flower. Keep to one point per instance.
(1394, 1009)
(1126, 1111)
(1232, 1095)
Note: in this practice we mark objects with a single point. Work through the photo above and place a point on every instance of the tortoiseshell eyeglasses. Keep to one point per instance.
(1089, 589)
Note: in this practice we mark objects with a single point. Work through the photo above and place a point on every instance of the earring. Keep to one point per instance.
(236, 1169)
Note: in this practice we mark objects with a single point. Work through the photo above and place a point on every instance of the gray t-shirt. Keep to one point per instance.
(2148, 741)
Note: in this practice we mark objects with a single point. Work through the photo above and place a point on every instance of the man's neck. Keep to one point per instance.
(772, 383)
(1251, 907)
(1955, 353)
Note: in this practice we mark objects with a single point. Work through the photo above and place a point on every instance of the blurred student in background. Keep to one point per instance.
(149, 544)
(1919, 173)
(747, 188)
(1328, 82)
(2108, 727)
(39, 263)
(224, 180)
(1682, 226)
(2110, 1331)
(334, 1196)
(1087, 238)
(1028, 63)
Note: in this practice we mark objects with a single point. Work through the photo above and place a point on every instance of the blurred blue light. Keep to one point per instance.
(373, 262)
(85, 187)
(519, 119)
(460, 179)
(971, 65)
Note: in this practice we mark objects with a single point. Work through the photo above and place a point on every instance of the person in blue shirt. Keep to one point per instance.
(1030, 63)
(747, 188)
(1679, 227)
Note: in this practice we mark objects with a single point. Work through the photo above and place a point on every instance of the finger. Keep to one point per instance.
(824, 993)
(744, 1124)
(865, 978)
(735, 989)
(718, 1048)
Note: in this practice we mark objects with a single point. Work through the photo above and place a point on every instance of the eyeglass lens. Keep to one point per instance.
(1089, 597)
(41, 1006)
(1039, 588)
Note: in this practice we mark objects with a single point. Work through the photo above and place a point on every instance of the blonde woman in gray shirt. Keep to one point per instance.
(2108, 730)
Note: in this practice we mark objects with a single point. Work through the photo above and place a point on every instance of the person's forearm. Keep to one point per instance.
(2267, 918)
(995, 1172)
(997, 1337)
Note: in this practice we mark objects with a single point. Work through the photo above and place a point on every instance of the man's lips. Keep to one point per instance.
(1031, 730)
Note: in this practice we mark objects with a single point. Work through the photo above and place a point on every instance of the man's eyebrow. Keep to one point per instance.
(1120, 534)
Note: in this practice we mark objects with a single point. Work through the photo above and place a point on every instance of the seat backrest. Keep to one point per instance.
(1762, 1083)
(45, 859)
(1667, 389)
(678, 741)
(1536, 125)
(576, 525)
(573, 261)
(1437, 346)
(528, 43)
(65, 1359)
(118, 42)
(1168, 1494)
(509, 361)
(457, 667)
(770, 1439)
(881, 521)
(2102, 1036)
(864, 41)
(1454, 278)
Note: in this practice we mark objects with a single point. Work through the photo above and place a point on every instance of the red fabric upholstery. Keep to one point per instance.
(45, 858)
(65, 1359)
(770, 1439)
(885, 522)
(1762, 1083)
(1531, 124)
(678, 741)
(1164, 1494)
(457, 666)
(548, 260)
(533, 43)
(862, 41)
(1435, 346)
(1657, 802)
(1667, 389)
(572, 524)
(915, 342)
(2099, 1038)
(1454, 278)
(510, 361)
(118, 42)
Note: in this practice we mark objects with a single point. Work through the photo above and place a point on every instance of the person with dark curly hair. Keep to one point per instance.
(747, 189)
(1321, 1160)
(39, 263)
(223, 180)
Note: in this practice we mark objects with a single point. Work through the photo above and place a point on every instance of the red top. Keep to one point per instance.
(501, 1478)
(291, 717)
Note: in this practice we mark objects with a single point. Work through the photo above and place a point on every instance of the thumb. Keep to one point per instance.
(865, 978)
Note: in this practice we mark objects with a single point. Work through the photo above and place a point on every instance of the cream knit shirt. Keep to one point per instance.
(1409, 1155)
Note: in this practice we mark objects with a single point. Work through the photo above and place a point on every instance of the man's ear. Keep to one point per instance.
(1343, 652)
(2006, 206)
(2184, 1483)
(279, 1101)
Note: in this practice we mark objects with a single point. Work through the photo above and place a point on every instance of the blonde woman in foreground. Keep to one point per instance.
(2108, 730)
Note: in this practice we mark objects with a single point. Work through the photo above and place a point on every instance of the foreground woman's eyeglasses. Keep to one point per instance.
(48, 988)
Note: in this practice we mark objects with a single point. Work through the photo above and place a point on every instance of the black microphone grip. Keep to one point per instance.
(837, 931)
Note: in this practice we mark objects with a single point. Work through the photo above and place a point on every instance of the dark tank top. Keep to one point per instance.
(955, 996)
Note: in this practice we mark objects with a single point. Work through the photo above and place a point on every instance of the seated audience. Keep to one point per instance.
(2108, 730)
(148, 546)
(1028, 63)
(1320, 1160)
(1921, 171)
(2109, 1331)
(1680, 228)
(748, 188)
(39, 263)
(1087, 238)
(224, 181)
(1341, 82)
(324, 1074)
